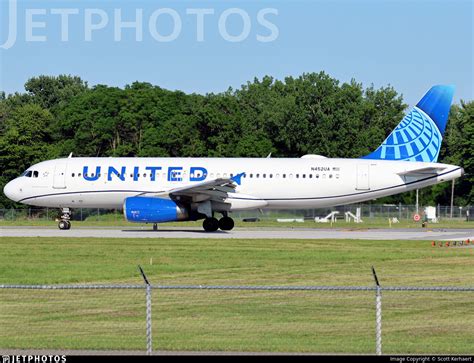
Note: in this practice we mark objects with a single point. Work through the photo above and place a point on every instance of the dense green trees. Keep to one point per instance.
(313, 113)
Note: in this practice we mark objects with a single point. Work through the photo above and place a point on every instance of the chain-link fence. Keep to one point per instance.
(366, 212)
(316, 319)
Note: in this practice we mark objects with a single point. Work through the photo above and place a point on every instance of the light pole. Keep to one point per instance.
(452, 199)
(416, 206)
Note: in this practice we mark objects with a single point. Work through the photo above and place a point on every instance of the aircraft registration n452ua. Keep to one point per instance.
(156, 190)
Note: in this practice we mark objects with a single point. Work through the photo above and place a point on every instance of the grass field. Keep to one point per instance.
(325, 322)
(112, 220)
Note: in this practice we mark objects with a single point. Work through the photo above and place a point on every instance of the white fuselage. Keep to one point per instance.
(276, 183)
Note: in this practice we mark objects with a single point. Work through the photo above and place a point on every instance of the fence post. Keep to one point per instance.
(378, 315)
(149, 340)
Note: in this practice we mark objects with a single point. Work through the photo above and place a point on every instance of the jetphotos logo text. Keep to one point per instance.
(161, 24)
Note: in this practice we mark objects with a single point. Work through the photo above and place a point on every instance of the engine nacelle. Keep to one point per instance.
(153, 210)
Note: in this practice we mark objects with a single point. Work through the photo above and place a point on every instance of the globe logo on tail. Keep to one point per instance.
(419, 135)
(416, 138)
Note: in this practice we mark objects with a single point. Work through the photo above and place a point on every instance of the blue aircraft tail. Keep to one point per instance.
(418, 136)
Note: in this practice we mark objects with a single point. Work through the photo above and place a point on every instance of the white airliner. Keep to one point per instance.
(154, 190)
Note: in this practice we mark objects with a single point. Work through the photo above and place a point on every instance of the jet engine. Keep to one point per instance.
(153, 210)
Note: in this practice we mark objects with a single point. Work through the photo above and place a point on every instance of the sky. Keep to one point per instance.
(410, 45)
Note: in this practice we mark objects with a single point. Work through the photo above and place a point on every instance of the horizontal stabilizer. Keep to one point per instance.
(422, 171)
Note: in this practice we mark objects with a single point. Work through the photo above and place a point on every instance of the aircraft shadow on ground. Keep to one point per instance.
(172, 230)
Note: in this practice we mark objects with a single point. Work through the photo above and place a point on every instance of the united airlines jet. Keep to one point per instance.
(155, 190)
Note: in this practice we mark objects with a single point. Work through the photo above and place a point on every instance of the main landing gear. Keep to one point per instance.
(211, 224)
(65, 223)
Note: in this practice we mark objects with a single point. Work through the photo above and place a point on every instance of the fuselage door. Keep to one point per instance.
(59, 178)
(362, 180)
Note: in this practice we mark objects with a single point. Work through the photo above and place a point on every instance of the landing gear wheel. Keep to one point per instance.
(226, 223)
(210, 224)
(65, 217)
(64, 225)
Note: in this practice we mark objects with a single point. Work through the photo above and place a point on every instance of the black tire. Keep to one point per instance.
(226, 223)
(63, 225)
(68, 225)
(210, 224)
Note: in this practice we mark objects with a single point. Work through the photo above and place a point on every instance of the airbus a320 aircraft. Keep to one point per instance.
(154, 190)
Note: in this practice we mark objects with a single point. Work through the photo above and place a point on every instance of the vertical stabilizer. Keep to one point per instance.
(419, 135)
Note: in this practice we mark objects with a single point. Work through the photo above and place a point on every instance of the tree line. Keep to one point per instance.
(311, 114)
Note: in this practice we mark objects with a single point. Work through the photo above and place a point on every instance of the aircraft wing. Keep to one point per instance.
(213, 190)
(216, 189)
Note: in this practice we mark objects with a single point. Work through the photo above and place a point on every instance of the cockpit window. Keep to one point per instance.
(31, 173)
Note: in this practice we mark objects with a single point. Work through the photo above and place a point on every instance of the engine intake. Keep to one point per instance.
(153, 210)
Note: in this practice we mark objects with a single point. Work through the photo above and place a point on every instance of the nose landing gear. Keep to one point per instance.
(65, 223)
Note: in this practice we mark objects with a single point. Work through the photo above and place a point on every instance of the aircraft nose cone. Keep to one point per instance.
(11, 191)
